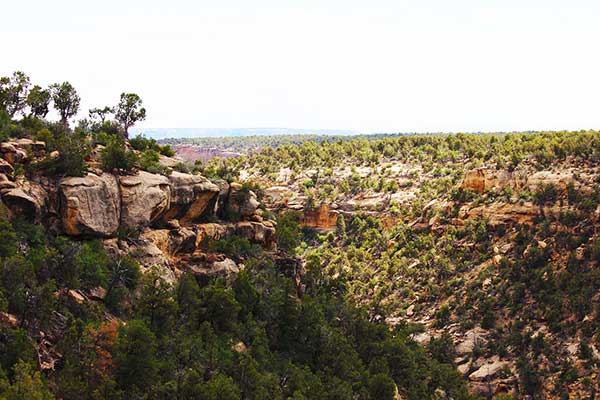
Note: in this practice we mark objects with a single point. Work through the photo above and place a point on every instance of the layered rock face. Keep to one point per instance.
(98, 204)
(321, 218)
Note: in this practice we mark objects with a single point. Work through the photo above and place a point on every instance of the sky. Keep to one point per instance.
(368, 66)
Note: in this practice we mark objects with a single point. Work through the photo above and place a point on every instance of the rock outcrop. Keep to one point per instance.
(90, 205)
(257, 232)
(145, 197)
(192, 197)
(6, 183)
(322, 218)
(206, 269)
(482, 180)
(500, 213)
(27, 201)
(559, 180)
(242, 201)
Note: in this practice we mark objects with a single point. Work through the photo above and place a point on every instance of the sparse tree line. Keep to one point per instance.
(107, 126)
(18, 97)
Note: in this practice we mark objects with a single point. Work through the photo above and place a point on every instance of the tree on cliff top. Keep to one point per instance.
(13, 92)
(38, 101)
(129, 111)
(66, 101)
(100, 114)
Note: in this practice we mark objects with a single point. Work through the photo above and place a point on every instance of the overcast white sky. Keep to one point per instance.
(369, 65)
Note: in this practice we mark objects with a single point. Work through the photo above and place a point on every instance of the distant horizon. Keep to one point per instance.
(188, 133)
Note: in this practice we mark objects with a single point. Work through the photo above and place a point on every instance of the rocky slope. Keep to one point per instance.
(450, 241)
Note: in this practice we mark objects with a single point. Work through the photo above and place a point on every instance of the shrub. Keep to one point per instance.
(234, 247)
(116, 156)
(443, 316)
(150, 161)
(73, 149)
(140, 143)
(381, 386)
(166, 150)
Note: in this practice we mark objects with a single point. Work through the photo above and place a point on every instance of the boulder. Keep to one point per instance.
(256, 232)
(206, 272)
(182, 240)
(27, 199)
(171, 241)
(473, 338)
(159, 238)
(213, 231)
(276, 195)
(239, 347)
(13, 153)
(146, 253)
(192, 197)
(222, 197)
(145, 197)
(90, 205)
(7, 319)
(488, 370)
(423, 338)
(76, 295)
(242, 201)
(6, 147)
(169, 162)
(97, 294)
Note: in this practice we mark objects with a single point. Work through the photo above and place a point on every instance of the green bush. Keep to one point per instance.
(150, 161)
(73, 149)
(116, 157)
(141, 143)
(167, 151)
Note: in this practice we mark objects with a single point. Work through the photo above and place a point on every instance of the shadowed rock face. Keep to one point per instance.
(22, 202)
(5, 167)
(90, 205)
(192, 197)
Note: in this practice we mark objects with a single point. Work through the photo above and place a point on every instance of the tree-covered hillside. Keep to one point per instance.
(486, 240)
(125, 274)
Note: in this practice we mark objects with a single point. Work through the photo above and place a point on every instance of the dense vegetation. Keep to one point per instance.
(258, 338)
(534, 297)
